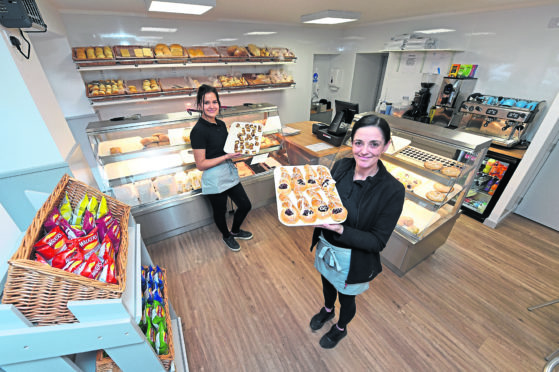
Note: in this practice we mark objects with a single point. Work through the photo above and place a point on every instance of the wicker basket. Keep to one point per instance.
(106, 364)
(41, 292)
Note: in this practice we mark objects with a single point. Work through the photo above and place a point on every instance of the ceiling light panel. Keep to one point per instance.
(435, 31)
(260, 33)
(158, 29)
(195, 7)
(330, 17)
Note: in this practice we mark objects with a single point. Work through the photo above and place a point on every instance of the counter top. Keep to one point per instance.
(513, 153)
(306, 138)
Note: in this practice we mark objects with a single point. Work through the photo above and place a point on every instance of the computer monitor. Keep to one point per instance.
(345, 111)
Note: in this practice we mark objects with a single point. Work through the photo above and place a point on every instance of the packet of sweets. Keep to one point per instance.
(49, 245)
(108, 272)
(88, 222)
(77, 216)
(71, 232)
(93, 205)
(53, 220)
(103, 209)
(66, 208)
(150, 334)
(162, 342)
(158, 312)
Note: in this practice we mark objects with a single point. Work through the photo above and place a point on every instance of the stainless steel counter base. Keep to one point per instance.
(400, 255)
(166, 220)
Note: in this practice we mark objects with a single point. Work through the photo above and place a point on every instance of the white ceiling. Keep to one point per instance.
(290, 11)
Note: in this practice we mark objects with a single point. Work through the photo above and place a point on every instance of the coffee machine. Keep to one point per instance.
(420, 103)
(503, 119)
(453, 91)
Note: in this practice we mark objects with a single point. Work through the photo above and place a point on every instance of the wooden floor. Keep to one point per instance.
(462, 309)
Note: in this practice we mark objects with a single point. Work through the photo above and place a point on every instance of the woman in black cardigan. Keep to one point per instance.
(347, 255)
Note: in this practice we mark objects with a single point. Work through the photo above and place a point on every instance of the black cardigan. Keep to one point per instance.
(380, 206)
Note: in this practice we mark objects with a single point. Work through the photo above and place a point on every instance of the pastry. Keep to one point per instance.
(451, 171)
(138, 52)
(413, 229)
(435, 196)
(289, 215)
(125, 53)
(146, 141)
(80, 53)
(115, 150)
(254, 50)
(176, 50)
(90, 53)
(323, 211)
(339, 213)
(442, 188)
(146, 52)
(405, 221)
(284, 186)
(308, 215)
(433, 165)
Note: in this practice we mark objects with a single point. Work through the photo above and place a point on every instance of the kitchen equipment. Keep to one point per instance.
(453, 91)
(420, 102)
(497, 117)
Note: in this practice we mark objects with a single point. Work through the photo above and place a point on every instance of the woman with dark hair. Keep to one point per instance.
(347, 254)
(220, 178)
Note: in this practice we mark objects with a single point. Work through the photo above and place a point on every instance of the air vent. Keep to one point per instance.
(21, 14)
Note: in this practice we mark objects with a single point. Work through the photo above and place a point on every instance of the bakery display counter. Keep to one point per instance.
(148, 163)
(437, 166)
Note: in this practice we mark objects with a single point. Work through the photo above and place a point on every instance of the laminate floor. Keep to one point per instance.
(462, 309)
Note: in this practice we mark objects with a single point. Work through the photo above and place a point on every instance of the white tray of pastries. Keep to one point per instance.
(244, 138)
(120, 146)
(307, 195)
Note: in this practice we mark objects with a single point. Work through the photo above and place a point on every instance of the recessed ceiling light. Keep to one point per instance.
(228, 39)
(260, 33)
(158, 29)
(196, 7)
(480, 33)
(119, 35)
(435, 31)
(330, 17)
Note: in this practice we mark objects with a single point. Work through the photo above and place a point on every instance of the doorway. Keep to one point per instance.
(368, 77)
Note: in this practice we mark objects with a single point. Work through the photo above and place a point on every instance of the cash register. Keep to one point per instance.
(335, 132)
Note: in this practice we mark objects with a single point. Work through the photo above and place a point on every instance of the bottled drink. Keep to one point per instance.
(494, 171)
(493, 188)
(489, 185)
(488, 165)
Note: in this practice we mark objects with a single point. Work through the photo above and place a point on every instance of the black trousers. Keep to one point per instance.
(219, 206)
(347, 302)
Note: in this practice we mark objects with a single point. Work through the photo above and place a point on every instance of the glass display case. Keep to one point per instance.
(147, 162)
(437, 167)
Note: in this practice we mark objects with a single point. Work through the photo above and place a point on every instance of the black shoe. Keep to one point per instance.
(332, 337)
(242, 234)
(232, 243)
(319, 319)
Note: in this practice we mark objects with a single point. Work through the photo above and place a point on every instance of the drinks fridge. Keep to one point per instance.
(490, 180)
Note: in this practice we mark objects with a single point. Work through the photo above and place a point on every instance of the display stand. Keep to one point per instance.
(111, 325)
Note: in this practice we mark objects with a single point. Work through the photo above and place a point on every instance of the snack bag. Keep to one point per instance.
(51, 244)
(71, 232)
(92, 206)
(79, 211)
(151, 334)
(113, 232)
(88, 221)
(108, 272)
(65, 255)
(73, 265)
(66, 208)
(162, 342)
(89, 244)
(40, 259)
(157, 313)
(92, 267)
(107, 249)
(102, 224)
(53, 220)
(103, 209)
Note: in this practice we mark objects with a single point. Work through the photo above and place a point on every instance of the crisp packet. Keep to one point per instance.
(88, 222)
(108, 272)
(103, 209)
(73, 265)
(53, 220)
(41, 259)
(71, 231)
(77, 216)
(107, 249)
(151, 334)
(49, 245)
(162, 342)
(64, 256)
(113, 231)
(66, 208)
(158, 312)
(88, 244)
(102, 224)
(91, 267)
(93, 205)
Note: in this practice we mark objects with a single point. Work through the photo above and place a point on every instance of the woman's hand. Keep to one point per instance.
(231, 156)
(335, 227)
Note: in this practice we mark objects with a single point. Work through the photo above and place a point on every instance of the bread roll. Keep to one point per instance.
(176, 50)
(90, 53)
(115, 150)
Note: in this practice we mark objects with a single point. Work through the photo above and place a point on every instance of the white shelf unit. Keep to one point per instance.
(111, 325)
(179, 65)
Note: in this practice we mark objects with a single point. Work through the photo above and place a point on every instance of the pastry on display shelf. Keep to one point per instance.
(232, 81)
(200, 80)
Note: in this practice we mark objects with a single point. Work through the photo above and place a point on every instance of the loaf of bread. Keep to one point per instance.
(176, 50)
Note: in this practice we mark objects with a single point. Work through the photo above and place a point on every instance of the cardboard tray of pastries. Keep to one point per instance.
(93, 56)
(103, 90)
(243, 169)
(176, 85)
(228, 81)
(268, 141)
(307, 195)
(196, 81)
(233, 53)
(203, 54)
(282, 54)
(133, 54)
(258, 79)
(258, 53)
(172, 53)
(145, 86)
(280, 78)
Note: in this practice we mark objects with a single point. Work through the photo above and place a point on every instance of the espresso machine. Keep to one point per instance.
(420, 103)
(504, 119)
(453, 91)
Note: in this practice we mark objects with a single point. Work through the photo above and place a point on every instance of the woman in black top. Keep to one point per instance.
(347, 255)
(220, 178)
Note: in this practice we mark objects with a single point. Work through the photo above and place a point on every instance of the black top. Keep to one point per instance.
(210, 137)
(374, 206)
